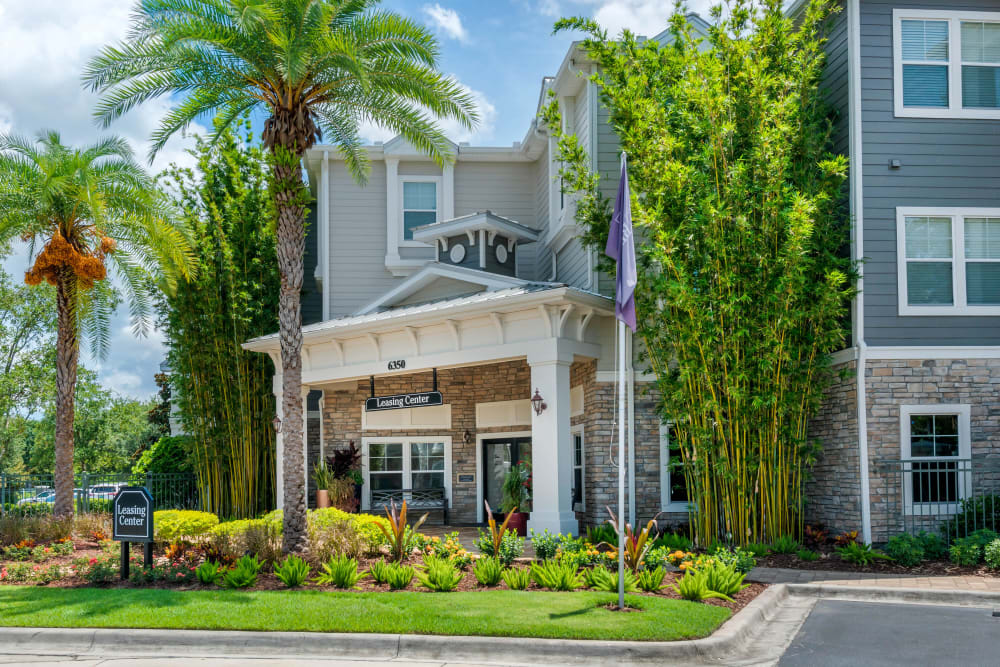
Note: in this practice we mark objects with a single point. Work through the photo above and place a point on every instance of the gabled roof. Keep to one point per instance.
(473, 223)
(477, 280)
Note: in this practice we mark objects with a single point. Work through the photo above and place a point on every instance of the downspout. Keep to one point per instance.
(857, 212)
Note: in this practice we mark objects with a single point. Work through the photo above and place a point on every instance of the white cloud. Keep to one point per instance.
(642, 17)
(446, 21)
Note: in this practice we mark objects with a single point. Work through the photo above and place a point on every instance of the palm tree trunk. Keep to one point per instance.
(67, 356)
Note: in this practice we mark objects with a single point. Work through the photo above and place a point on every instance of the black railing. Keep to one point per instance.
(949, 496)
(93, 492)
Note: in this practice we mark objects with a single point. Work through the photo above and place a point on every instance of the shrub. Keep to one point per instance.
(17, 573)
(451, 548)
(488, 571)
(400, 576)
(651, 581)
(173, 525)
(991, 554)
(693, 586)
(905, 549)
(169, 454)
(556, 576)
(973, 513)
(439, 575)
(49, 574)
(724, 579)
(292, 571)
(965, 551)
(847, 537)
(244, 574)
(673, 542)
(758, 549)
(15, 528)
(934, 547)
(516, 578)
(982, 537)
(657, 557)
(340, 572)
(379, 572)
(740, 559)
(602, 579)
(602, 534)
(97, 570)
(511, 546)
(807, 555)
(209, 573)
(545, 543)
(331, 537)
(860, 554)
(398, 533)
(816, 536)
(786, 544)
(261, 537)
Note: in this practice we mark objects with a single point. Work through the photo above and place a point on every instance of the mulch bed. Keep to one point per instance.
(268, 582)
(831, 562)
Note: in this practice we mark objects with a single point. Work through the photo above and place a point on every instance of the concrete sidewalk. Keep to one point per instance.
(770, 575)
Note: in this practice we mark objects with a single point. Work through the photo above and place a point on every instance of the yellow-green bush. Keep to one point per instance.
(320, 521)
(170, 525)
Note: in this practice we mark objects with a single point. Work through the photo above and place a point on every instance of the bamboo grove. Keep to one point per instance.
(740, 225)
(223, 392)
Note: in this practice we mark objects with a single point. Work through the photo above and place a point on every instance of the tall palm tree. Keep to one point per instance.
(86, 208)
(313, 67)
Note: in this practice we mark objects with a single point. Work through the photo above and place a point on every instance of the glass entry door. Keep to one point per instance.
(499, 455)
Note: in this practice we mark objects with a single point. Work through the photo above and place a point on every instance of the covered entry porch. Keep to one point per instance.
(486, 354)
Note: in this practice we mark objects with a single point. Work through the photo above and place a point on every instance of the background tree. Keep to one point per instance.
(311, 66)
(224, 394)
(742, 294)
(86, 207)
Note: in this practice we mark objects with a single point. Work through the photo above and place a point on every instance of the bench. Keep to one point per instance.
(416, 499)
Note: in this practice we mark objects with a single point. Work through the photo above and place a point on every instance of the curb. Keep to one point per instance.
(899, 595)
(731, 637)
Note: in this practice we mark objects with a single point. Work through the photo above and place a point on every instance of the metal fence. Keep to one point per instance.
(951, 497)
(93, 492)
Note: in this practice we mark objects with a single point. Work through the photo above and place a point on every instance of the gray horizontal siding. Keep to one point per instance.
(945, 162)
(571, 264)
(506, 188)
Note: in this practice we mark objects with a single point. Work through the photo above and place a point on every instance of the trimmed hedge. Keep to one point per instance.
(170, 525)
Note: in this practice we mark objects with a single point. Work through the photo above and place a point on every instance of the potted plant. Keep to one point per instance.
(322, 479)
(516, 500)
(345, 478)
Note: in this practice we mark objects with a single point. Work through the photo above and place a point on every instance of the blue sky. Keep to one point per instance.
(499, 50)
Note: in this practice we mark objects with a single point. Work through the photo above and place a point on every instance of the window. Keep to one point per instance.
(578, 477)
(949, 261)
(946, 64)
(420, 205)
(936, 452)
(392, 464)
(673, 486)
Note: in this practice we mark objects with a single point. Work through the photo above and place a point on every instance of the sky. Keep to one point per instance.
(498, 49)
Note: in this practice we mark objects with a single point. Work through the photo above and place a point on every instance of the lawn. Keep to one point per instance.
(577, 615)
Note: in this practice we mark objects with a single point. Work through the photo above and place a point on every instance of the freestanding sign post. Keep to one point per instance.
(133, 522)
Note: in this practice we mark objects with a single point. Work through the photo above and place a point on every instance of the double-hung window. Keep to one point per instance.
(946, 63)
(420, 205)
(949, 261)
(578, 465)
(936, 451)
(673, 485)
(394, 464)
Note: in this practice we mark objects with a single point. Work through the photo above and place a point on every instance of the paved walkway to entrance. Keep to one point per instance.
(774, 575)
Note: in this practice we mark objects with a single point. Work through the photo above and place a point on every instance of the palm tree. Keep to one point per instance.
(86, 208)
(313, 66)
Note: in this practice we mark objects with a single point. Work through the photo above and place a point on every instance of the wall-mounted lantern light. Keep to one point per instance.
(538, 402)
(277, 423)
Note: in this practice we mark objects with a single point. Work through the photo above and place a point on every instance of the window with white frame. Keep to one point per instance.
(935, 445)
(946, 63)
(673, 486)
(949, 261)
(578, 470)
(420, 204)
(394, 464)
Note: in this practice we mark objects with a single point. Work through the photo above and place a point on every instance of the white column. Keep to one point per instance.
(305, 439)
(279, 453)
(392, 207)
(448, 192)
(552, 442)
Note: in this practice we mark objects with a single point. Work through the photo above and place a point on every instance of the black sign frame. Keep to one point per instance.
(130, 493)
(422, 399)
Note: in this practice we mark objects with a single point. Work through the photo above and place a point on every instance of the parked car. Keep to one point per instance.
(104, 491)
(42, 497)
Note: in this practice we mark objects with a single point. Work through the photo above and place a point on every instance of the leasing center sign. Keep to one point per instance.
(399, 401)
(133, 515)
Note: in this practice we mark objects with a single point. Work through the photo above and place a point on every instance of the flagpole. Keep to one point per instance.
(621, 464)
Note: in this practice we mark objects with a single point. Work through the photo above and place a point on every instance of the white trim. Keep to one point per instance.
(434, 270)
(963, 477)
(942, 352)
(957, 215)
(439, 205)
(665, 503)
(954, 64)
(406, 441)
(575, 431)
(480, 514)
(857, 200)
(610, 376)
(323, 211)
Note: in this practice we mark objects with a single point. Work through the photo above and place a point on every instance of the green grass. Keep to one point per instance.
(501, 613)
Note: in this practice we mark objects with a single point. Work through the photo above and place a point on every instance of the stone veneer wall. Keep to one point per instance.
(892, 383)
(833, 492)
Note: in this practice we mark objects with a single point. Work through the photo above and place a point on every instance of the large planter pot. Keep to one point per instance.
(519, 523)
(322, 498)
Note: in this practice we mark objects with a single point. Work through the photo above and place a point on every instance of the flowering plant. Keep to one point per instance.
(449, 548)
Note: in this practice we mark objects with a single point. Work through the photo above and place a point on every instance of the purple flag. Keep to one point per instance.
(621, 248)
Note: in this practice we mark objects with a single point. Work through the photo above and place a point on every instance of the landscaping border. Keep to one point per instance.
(945, 596)
(731, 637)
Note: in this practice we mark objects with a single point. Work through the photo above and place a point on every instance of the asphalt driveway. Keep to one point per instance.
(839, 633)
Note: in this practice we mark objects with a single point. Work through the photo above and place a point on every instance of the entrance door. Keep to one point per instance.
(498, 456)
